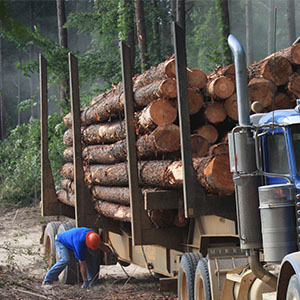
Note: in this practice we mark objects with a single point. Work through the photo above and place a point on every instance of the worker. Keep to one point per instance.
(77, 240)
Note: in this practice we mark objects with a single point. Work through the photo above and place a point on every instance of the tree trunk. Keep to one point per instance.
(271, 28)
(141, 33)
(225, 31)
(63, 42)
(114, 194)
(1, 95)
(249, 32)
(155, 30)
(129, 21)
(290, 21)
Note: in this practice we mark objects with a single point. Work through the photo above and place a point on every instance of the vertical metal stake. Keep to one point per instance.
(83, 203)
(50, 204)
(191, 188)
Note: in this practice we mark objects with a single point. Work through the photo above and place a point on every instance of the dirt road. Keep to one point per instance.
(22, 267)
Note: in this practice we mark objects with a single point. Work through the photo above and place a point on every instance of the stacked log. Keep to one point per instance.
(273, 81)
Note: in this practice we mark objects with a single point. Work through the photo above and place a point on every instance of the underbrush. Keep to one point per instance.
(20, 173)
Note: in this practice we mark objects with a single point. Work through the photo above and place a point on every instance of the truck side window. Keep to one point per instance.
(295, 130)
(277, 161)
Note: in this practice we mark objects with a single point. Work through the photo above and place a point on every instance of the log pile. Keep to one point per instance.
(274, 82)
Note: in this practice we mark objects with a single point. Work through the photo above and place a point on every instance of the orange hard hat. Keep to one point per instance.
(92, 240)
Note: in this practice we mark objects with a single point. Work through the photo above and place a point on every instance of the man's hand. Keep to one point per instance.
(85, 284)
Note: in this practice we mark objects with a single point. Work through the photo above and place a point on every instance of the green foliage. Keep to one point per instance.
(20, 160)
(206, 44)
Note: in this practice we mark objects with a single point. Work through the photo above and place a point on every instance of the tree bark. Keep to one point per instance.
(164, 139)
(104, 133)
(1, 95)
(271, 27)
(249, 32)
(141, 32)
(290, 21)
(292, 53)
(63, 42)
(225, 31)
(114, 211)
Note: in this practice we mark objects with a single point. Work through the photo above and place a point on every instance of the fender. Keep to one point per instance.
(289, 266)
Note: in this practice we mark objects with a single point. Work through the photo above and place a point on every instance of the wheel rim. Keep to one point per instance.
(184, 287)
(48, 251)
(200, 290)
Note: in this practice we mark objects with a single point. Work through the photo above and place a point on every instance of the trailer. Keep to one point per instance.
(242, 247)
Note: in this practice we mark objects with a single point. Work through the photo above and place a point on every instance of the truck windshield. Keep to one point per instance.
(276, 152)
(295, 134)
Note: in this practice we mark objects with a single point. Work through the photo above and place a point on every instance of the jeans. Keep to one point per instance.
(64, 259)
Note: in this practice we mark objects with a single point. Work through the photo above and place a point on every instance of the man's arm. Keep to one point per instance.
(82, 266)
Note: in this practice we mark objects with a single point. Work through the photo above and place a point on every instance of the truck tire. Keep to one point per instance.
(71, 273)
(49, 242)
(186, 275)
(202, 284)
(293, 291)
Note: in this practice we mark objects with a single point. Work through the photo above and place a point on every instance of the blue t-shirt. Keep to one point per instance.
(74, 239)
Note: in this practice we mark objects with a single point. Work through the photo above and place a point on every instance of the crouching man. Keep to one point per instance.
(77, 240)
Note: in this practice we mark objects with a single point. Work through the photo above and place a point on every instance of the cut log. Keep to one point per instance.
(68, 185)
(66, 198)
(215, 112)
(117, 175)
(114, 211)
(221, 87)
(228, 71)
(209, 132)
(151, 92)
(165, 138)
(200, 145)
(155, 73)
(160, 112)
(104, 133)
(294, 84)
(213, 173)
(282, 101)
(292, 53)
(115, 194)
(196, 78)
(115, 90)
(231, 107)
(274, 67)
(221, 148)
(196, 100)
(262, 90)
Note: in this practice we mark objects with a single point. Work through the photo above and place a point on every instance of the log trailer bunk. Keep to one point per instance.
(243, 248)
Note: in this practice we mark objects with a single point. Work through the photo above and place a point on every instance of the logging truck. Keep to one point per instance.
(241, 246)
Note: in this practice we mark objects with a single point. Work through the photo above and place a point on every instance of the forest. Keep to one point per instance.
(91, 30)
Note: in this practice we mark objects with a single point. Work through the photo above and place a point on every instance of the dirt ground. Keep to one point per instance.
(22, 267)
